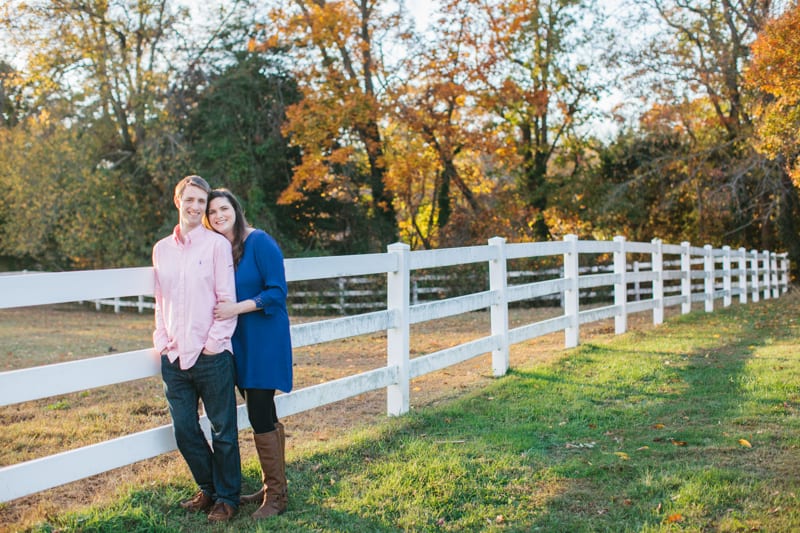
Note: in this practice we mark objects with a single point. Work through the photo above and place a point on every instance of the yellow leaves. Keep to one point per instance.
(774, 69)
(745, 443)
(622, 455)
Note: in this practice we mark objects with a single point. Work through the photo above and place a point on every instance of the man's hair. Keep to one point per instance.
(193, 179)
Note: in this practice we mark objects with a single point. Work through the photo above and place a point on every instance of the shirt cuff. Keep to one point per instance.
(214, 347)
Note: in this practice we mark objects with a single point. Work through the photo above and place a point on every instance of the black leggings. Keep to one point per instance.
(261, 409)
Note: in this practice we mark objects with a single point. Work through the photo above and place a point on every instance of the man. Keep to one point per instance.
(193, 271)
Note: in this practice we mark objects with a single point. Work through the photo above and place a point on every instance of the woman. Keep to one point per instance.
(261, 343)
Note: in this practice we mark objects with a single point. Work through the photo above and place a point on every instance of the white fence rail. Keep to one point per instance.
(346, 295)
(720, 274)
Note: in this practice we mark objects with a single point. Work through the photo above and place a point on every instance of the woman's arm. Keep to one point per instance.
(228, 309)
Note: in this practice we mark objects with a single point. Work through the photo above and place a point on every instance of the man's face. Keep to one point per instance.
(191, 206)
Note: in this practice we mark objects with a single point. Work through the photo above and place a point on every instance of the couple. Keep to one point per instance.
(213, 269)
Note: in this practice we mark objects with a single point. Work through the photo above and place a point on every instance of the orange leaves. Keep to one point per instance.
(674, 518)
(775, 68)
(745, 443)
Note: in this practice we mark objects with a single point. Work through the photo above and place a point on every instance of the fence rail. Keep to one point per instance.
(695, 274)
(338, 295)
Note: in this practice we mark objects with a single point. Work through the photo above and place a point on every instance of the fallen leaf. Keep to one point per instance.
(676, 517)
(679, 442)
(745, 443)
(622, 455)
(499, 519)
(641, 448)
(658, 426)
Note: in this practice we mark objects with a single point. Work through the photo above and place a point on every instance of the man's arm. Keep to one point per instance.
(160, 336)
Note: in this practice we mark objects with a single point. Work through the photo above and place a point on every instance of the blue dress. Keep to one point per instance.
(262, 341)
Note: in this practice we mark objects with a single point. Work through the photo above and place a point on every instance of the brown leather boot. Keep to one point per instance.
(273, 465)
(258, 497)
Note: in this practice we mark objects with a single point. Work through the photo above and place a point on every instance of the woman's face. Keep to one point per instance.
(221, 216)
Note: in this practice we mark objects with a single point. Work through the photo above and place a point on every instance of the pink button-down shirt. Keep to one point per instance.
(190, 278)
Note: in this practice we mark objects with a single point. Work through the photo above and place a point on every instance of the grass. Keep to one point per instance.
(691, 426)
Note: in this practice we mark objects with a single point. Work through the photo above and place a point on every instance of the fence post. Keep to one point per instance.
(571, 273)
(726, 276)
(686, 277)
(742, 260)
(766, 279)
(397, 337)
(636, 284)
(620, 286)
(498, 282)
(708, 277)
(657, 261)
(774, 269)
(784, 273)
(754, 275)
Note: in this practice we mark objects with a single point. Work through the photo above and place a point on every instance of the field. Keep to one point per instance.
(50, 334)
(451, 408)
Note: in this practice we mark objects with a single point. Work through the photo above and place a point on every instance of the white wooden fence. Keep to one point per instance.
(724, 274)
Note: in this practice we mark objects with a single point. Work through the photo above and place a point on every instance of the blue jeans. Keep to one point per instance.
(216, 469)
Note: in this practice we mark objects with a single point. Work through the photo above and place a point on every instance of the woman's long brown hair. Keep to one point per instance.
(239, 226)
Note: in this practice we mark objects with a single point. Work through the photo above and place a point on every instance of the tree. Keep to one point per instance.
(107, 57)
(109, 77)
(69, 212)
(775, 71)
(691, 72)
(10, 97)
(433, 168)
(535, 82)
(235, 135)
(99, 70)
(334, 54)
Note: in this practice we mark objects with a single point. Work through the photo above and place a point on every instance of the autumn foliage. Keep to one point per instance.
(344, 125)
(776, 71)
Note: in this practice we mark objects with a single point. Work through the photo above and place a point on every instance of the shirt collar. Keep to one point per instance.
(196, 233)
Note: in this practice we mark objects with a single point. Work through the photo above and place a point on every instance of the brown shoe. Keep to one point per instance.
(201, 502)
(221, 512)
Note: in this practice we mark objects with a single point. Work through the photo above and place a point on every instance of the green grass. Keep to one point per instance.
(644, 432)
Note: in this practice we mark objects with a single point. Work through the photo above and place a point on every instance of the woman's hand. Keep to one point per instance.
(225, 309)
